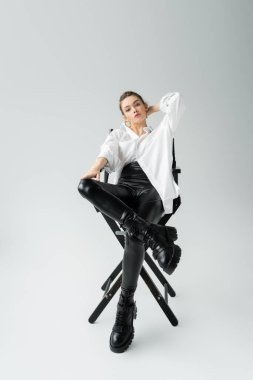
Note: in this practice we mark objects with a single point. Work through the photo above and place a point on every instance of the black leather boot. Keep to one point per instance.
(123, 330)
(159, 238)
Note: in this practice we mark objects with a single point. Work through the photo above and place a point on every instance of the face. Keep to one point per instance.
(134, 110)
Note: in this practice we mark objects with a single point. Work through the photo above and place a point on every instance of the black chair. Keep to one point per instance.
(110, 289)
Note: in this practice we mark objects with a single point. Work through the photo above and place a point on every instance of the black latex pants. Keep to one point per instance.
(133, 191)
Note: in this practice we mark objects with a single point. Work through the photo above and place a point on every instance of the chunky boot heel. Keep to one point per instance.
(174, 261)
(135, 312)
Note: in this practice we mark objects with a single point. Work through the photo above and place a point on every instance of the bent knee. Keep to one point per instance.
(85, 186)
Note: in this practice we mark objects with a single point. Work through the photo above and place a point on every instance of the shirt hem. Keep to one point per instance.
(168, 201)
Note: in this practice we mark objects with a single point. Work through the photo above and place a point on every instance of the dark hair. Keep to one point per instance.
(125, 95)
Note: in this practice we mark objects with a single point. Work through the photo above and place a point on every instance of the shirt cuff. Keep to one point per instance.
(166, 100)
(107, 154)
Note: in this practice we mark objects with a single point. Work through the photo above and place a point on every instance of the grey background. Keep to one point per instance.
(63, 66)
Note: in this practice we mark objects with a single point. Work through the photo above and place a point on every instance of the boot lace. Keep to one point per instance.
(122, 316)
(150, 240)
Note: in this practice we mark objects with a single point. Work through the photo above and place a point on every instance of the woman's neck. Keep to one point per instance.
(138, 127)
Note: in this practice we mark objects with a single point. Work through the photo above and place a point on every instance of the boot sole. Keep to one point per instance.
(174, 261)
(171, 236)
(127, 344)
(125, 347)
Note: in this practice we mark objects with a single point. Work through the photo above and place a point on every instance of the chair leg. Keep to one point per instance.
(159, 298)
(105, 300)
(111, 291)
(159, 275)
(150, 262)
(162, 301)
(112, 276)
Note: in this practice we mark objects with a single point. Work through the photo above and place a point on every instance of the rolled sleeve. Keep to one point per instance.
(173, 105)
(109, 150)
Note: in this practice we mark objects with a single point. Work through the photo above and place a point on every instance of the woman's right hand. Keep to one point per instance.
(93, 172)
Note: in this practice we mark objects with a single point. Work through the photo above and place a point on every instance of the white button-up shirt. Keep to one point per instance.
(152, 150)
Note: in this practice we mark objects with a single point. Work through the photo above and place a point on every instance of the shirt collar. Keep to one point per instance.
(146, 129)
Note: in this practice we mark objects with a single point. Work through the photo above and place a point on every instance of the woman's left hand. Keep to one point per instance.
(153, 109)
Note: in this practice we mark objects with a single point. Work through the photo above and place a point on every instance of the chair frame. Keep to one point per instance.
(111, 289)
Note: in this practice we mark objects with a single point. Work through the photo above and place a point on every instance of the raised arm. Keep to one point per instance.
(153, 109)
(171, 104)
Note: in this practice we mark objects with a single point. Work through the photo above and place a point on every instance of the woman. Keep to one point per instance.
(142, 192)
